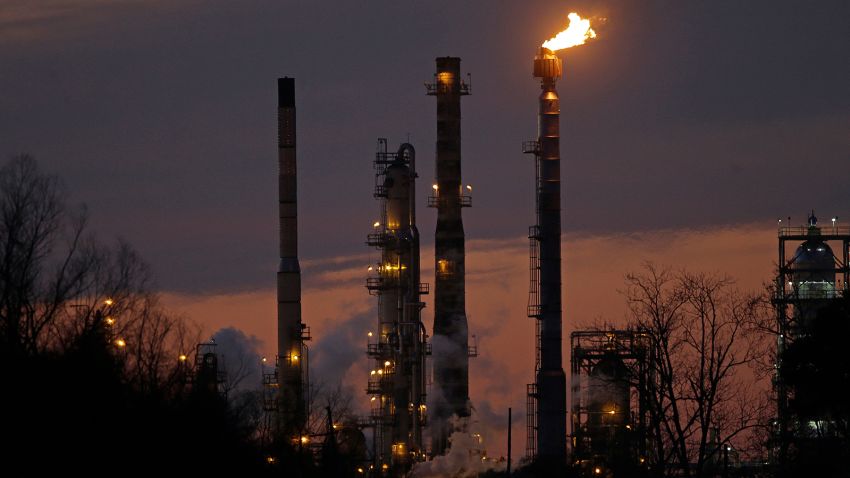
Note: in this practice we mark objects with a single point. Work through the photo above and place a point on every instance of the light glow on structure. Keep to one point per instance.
(576, 33)
(120, 343)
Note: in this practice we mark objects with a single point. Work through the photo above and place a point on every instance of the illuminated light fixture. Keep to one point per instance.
(469, 187)
(387, 363)
(380, 372)
(121, 343)
(182, 358)
(435, 187)
(377, 224)
(108, 302)
(265, 360)
(110, 321)
(270, 460)
(370, 268)
(305, 439)
(372, 399)
(369, 334)
(597, 470)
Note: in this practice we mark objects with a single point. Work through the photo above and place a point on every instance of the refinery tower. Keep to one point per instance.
(398, 347)
(291, 379)
(451, 334)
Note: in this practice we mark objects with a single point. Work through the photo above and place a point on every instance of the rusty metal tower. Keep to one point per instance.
(451, 334)
(547, 396)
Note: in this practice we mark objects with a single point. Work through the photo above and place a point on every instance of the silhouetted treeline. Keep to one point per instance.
(94, 371)
(98, 377)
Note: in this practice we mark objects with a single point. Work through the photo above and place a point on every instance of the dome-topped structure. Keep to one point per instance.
(813, 262)
(813, 265)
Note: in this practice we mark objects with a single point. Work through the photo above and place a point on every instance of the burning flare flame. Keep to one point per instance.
(577, 33)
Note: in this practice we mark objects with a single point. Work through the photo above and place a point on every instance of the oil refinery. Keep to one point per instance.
(620, 390)
(640, 314)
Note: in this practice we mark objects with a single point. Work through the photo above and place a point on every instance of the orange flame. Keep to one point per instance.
(577, 33)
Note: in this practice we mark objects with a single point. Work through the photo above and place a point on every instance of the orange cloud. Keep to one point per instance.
(497, 287)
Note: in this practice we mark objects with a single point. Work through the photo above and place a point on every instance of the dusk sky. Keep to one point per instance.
(687, 129)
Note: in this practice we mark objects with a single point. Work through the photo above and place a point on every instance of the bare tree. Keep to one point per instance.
(60, 288)
(704, 397)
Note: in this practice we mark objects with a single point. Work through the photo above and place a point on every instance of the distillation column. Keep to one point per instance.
(551, 380)
(451, 351)
(292, 352)
(397, 380)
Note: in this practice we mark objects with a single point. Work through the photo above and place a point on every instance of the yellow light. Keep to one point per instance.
(360, 470)
(380, 372)
(377, 224)
(370, 268)
(612, 412)
(108, 302)
(642, 459)
(469, 187)
(294, 358)
(110, 321)
(335, 426)
(435, 187)
(120, 343)
(387, 363)
(265, 360)
(270, 460)
(597, 470)
(305, 439)
(576, 33)
(372, 372)
(384, 467)
(369, 334)
(182, 358)
(372, 399)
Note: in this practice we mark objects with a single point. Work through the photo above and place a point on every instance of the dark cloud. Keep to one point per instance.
(161, 116)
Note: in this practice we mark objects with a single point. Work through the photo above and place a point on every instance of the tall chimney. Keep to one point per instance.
(291, 332)
(450, 342)
(550, 379)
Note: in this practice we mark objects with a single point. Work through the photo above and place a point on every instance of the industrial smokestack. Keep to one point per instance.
(450, 342)
(551, 394)
(291, 332)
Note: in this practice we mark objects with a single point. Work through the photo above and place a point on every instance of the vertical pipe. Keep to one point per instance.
(292, 403)
(450, 343)
(551, 380)
(509, 442)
